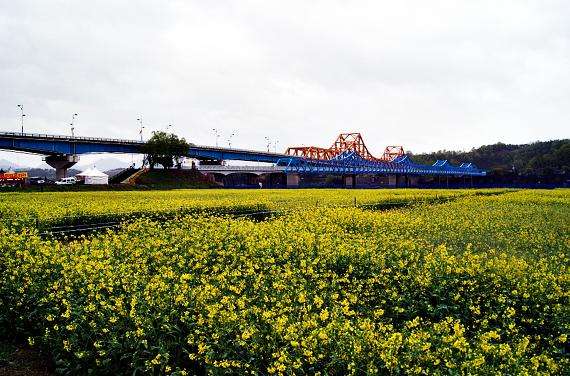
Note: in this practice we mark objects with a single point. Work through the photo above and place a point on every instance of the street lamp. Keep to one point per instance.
(275, 146)
(141, 127)
(217, 134)
(72, 124)
(21, 106)
(268, 143)
(230, 140)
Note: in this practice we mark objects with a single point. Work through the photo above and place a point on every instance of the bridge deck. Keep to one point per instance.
(46, 144)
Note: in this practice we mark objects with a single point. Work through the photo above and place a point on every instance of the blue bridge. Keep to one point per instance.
(350, 162)
(62, 152)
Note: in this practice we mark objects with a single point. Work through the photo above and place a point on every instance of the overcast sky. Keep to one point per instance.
(427, 75)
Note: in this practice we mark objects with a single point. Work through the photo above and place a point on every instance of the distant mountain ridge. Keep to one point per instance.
(48, 173)
(102, 164)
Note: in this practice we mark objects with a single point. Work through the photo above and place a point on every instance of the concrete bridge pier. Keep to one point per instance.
(349, 181)
(61, 163)
(293, 180)
(413, 181)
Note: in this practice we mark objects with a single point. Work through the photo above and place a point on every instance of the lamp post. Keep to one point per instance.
(275, 146)
(230, 140)
(139, 119)
(268, 143)
(216, 134)
(72, 125)
(21, 106)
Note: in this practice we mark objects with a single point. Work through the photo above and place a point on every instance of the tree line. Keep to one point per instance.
(546, 158)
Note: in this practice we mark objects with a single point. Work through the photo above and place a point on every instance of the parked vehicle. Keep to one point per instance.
(67, 181)
(36, 180)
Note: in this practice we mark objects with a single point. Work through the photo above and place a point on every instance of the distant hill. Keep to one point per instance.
(538, 158)
(48, 173)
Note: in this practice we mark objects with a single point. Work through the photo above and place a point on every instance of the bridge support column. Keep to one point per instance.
(293, 180)
(413, 181)
(61, 163)
(349, 181)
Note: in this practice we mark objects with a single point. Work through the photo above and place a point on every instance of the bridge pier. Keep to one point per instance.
(349, 181)
(293, 180)
(61, 163)
(413, 181)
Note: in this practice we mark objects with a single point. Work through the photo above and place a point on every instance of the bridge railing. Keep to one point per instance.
(69, 138)
(234, 150)
(239, 168)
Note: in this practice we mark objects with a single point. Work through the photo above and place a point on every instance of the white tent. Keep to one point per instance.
(93, 176)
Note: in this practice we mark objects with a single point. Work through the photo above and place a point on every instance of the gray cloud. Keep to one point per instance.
(428, 75)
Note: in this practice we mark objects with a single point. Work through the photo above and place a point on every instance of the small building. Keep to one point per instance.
(92, 176)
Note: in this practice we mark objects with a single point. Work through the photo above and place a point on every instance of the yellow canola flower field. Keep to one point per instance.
(477, 285)
(47, 209)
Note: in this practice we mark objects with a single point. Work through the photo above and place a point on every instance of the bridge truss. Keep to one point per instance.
(344, 142)
(349, 155)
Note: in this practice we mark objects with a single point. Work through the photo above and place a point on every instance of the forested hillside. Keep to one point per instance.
(538, 158)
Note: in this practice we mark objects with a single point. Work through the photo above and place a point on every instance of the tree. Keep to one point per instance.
(165, 149)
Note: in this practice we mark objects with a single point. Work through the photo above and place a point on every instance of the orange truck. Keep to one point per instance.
(13, 177)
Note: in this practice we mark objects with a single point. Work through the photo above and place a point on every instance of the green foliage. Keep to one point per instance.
(478, 285)
(538, 158)
(165, 149)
